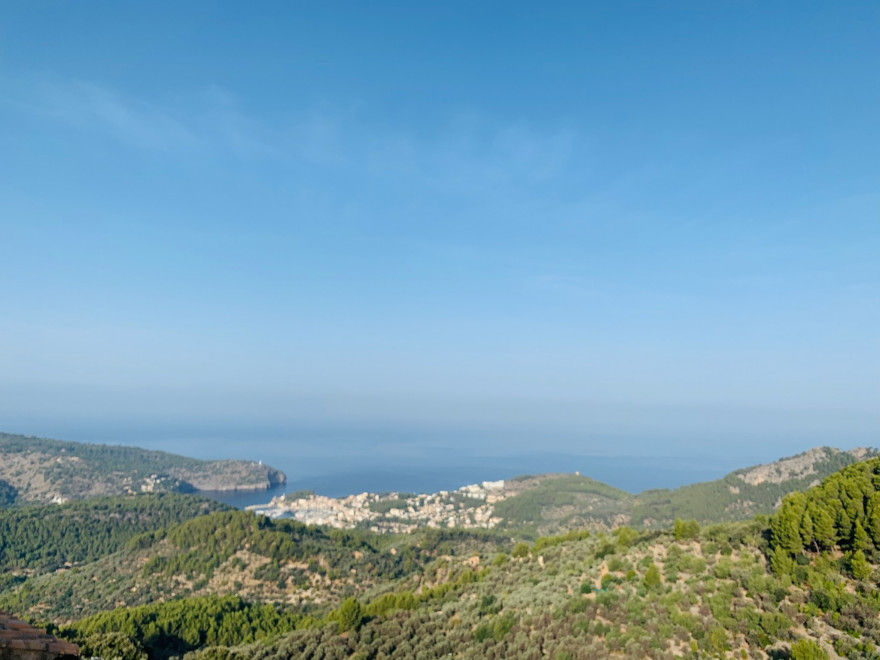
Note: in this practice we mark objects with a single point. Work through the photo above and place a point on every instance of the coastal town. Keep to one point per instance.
(470, 507)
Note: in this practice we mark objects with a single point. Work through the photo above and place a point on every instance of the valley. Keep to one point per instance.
(564, 571)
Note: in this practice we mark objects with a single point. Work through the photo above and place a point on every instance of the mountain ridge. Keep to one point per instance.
(36, 470)
(532, 505)
(799, 584)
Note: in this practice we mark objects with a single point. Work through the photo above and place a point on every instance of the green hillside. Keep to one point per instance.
(799, 585)
(557, 502)
(235, 552)
(41, 470)
(38, 539)
(743, 493)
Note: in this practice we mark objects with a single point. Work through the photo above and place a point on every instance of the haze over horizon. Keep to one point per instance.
(632, 227)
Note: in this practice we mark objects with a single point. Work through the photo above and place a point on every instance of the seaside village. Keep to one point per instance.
(470, 506)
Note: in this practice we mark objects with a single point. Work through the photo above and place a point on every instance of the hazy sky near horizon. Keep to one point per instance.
(659, 219)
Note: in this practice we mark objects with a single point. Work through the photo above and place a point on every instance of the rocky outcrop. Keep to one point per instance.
(800, 466)
(795, 467)
(232, 476)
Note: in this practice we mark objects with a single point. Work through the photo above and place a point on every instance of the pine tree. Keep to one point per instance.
(860, 540)
(786, 525)
(350, 614)
(859, 566)
(844, 525)
(652, 577)
(807, 532)
(781, 562)
(873, 519)
(823, 528)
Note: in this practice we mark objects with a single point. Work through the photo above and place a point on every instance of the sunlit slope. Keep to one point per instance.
(41, 470)
(743, 493)
(45, 538)
(235, 552)
(556, 503)
(802, 586)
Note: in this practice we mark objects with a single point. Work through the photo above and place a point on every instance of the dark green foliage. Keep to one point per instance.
(520, 550)
(489, 605)
(543, 542)
(838, 512)
(384, 506)
(685, 530)
(652, 577)
(391, 602)
(113, 646)
(496, 629)
(623, 594)
(43, 538)
(727, 499)
(550, 493)
(8, 493)
(205, 543)
(175, 627)
(182, 560)
(454, 541)
(350, 616)
(859, 567)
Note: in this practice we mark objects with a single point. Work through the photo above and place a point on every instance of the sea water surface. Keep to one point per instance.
(627, 473)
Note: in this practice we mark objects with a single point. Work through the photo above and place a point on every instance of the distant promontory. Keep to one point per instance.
(42, 470)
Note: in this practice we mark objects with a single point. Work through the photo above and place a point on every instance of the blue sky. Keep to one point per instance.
(651, 220)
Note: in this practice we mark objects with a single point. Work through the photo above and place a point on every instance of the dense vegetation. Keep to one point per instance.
(43, 538)
(843, 511)
(826, 542)
(561, 502)
(39, 470)
(113, 458)
(8, 493)
(551, 504)
(235, 552)
(162, 630)
(229, 585)
(730, 498)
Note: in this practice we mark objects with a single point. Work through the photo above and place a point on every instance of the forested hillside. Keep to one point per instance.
(42, 470)
(800, 585)
(234, 552)
(555, 502)
(743, 493)
(38, 539)
(530, 506)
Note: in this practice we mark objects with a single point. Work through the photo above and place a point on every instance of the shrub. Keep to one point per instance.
(807, 649)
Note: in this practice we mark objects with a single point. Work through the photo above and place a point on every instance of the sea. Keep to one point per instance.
(338, 461)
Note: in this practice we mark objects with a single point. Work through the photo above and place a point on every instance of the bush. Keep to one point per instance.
(652, 577)
(807, 649)
(520, 550)
(349, 616)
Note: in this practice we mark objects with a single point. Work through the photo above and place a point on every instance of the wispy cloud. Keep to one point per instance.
(206, 122)
(465, 155)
